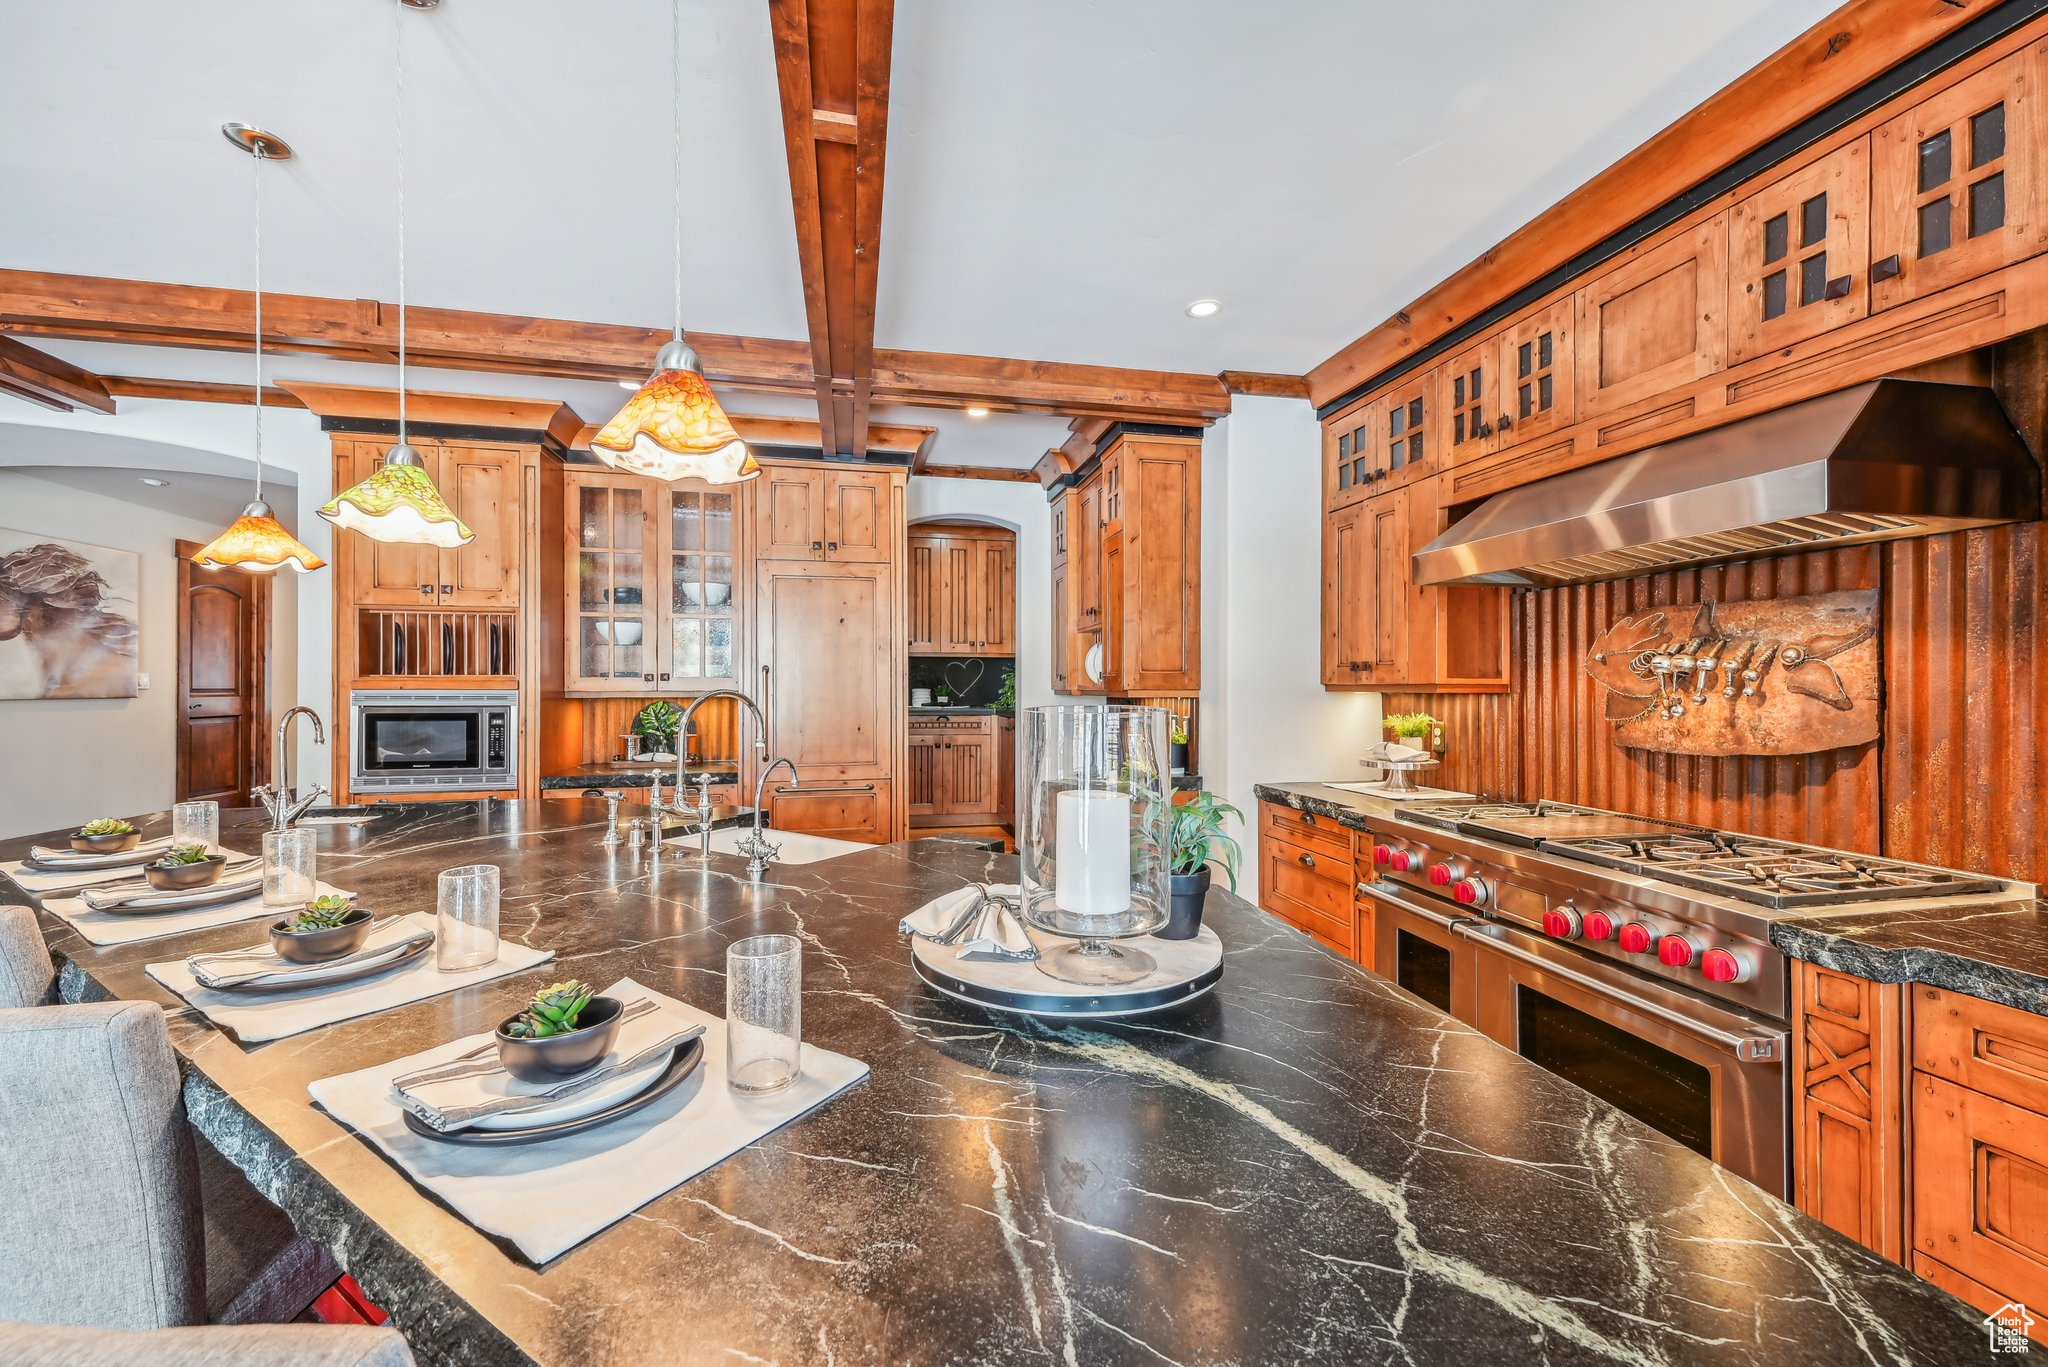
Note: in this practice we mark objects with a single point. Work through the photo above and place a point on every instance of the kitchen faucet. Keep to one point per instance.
(701, 813)
(756, 847)
(278, 800)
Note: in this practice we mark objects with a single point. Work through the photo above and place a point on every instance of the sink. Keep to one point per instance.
(795, 846)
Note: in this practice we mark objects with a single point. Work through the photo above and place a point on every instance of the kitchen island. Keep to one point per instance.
(1306, 1164)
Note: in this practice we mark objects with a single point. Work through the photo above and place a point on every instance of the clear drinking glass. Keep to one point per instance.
(764, 979)
(196, 823)
(288, 860)
(466, 935)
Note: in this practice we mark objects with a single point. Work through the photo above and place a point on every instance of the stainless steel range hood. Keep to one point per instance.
(1887, 459)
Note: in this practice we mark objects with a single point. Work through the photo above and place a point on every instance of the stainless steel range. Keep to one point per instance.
(1629, 954)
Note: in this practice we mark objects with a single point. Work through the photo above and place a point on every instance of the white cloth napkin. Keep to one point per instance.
(1393, 752)
(995, 932)
(120, 928)
(254, 1018)
(63, 856)
(260, 962)
(137, 893)
(547, 1198)
(454, 1100)
(78, 875)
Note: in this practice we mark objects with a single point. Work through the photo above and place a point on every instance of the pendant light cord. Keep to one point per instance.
(398, 47)
(260, 157)
(675, 22)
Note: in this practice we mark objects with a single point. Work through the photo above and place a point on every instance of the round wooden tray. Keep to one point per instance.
(1187, 969)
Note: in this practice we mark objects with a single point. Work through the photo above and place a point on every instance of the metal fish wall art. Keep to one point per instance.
(1789, 676)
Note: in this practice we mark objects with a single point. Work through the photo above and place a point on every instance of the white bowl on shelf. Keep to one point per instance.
(628, 633)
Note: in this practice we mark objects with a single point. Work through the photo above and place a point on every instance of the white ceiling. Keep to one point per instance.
(1063, 176)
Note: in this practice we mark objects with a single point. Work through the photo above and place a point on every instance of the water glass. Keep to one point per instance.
(196, 823)
(288, 859)
(466, 908)
(764, 979)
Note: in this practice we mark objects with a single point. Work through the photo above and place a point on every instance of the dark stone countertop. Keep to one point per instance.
(633, 775)
(1304, 1165)
(1995, 950)
(957, 712)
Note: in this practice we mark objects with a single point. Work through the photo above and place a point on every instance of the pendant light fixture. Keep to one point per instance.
(255, 541)
(399, 502)
(672, 428)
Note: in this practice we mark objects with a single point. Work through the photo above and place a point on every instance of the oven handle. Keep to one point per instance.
(1757, 1046)
(1382, 891)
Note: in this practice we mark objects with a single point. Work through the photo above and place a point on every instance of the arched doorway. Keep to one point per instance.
(962, 627)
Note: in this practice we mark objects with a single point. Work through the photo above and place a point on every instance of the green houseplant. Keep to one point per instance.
(1195, 836)
(658, 723)
(1177, 739)
(1006, 696)
(1411, 726)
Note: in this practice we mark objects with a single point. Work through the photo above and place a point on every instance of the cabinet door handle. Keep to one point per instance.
(830, 788)
(426, 590)
(647, 678)
(1308, 818)
(1504, 424)
(762, 743)
(1887, 268)
(817, 545)
(447, 588)
(1837, 288)
(664, 678)
(831, 546)
(1307, 861)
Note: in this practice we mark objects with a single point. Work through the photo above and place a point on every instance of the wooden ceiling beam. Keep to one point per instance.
(135, 312)
(979, 472)
(41, 378)
(893, 438)
(1259, 382)
(198, 391)
(832, 74)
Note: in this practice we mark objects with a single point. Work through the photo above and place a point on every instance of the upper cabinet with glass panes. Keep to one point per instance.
(702, 617)
(1796, 255)
(1956, 182)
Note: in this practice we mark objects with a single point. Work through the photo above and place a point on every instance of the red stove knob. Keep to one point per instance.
(1440, 874)
(1636, 938)
(1402, 861)
(1382, 854)
(1675, 951)
(1597, 925)
(1469, 891)
(1725, 966)
(1564, 923)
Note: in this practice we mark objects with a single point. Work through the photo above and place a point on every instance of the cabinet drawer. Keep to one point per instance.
(1980, 1187)
(843, 811)
(1312, 891)
(1317, 834)
(1994, 1049)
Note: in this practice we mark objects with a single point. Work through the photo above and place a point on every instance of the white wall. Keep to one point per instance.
(67, 760)
(1265, 716)
(1023, 507)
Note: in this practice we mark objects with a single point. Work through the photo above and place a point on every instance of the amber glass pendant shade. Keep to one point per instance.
(257, 543)
(673, 428)
(399, 503)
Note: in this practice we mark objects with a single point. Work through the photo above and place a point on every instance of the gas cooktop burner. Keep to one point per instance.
(1768, 872)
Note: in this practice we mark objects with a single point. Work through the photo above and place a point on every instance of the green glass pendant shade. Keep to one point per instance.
(399, 503)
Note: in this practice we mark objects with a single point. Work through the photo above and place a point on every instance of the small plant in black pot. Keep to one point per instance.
(329, 927)
(184, 866)
(1194, 837)
(1177, 738)
(565, 1029)
(657, 725)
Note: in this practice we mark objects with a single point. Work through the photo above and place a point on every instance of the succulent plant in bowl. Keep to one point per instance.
(565, 1029)
(106, 835)
(325, 912)
(184, 866)
(330, 926)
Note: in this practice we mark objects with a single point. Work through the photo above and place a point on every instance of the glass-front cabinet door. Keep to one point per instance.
(700, 643)
(611, 630)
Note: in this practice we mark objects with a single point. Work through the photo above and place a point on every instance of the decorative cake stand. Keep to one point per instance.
(1184, 970)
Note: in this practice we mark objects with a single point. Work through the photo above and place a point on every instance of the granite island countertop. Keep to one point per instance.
(1306, 1164)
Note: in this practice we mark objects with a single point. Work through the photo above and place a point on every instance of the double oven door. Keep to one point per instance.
(1709, 1076)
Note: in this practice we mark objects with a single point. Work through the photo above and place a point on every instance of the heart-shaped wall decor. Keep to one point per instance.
(970, 670)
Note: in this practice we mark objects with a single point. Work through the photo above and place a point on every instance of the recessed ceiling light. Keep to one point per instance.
(154, 483)
(976, 411)
(1205, 308)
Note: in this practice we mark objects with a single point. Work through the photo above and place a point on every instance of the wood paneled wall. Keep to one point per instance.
(1953, 779)
(604, 720)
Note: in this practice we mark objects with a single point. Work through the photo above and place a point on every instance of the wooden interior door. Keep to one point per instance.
(829, 689)
(856, 509)
(223, 689)
(481, 483)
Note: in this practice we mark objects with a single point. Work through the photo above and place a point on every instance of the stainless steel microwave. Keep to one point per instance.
(452, 741)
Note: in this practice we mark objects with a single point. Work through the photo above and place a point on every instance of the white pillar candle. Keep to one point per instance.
(1093, 852)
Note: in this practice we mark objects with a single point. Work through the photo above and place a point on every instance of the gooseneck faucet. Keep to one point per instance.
(756, 847)
(701, 813)
(278, 799)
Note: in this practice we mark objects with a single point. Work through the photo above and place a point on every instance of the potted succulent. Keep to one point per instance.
(184, 866)
(565, 1029)
(331, 925)
(1194, 837)
(657, 725)
(1177, 738)
(108, 835)
(1412, 727)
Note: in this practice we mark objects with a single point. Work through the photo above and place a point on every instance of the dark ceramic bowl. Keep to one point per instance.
(317, 946)
(180, 877)
(105, 844)
(558, 1056)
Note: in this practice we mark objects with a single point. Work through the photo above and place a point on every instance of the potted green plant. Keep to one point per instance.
(107, 835)
(656, 725)
(1006, 696)
(184, 866)
(1194, 837)
(1177, 738)
(1410, 727)
(565, 1029)
(330, 926)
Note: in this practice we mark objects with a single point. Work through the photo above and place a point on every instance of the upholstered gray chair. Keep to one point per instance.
(117, 1216)
(266, 1345)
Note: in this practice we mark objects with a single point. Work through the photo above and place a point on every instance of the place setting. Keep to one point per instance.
(328, 958)
(585, 1105)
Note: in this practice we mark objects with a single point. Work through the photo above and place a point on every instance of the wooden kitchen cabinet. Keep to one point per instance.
(1470, 399)
(1405, 431)
(1653, 319)
(1959, 182)
(1006, 771)
(828, 680)
(1305, 875)
(653, 583)
(1848, 1091)
(963, 591)
(1084, 564)
(840, 811)
(482, 484)
(1538, 375)
(837, 515)
(1347, 456)
(955, 770)
(1798, 253)
(1156, 592)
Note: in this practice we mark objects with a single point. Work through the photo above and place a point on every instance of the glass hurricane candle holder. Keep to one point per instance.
(1091, 830)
